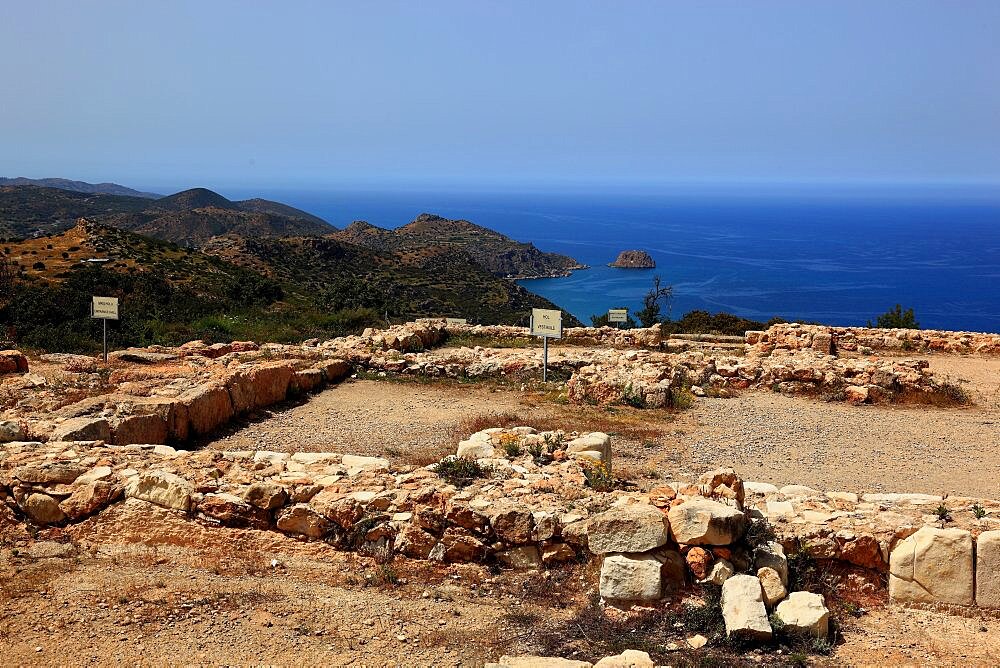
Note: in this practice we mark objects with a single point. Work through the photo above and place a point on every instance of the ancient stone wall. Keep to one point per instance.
(537, 499)
(867, 341)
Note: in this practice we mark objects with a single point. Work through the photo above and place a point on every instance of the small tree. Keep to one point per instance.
(897, 318)
(650, 314)
(8, 285)
(8, 278)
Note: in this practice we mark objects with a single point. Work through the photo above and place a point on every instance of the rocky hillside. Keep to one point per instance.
(287, 288)
(189, 218)
(497, 253)
(432, 281)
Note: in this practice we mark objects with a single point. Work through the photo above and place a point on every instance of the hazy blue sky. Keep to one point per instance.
(308, 94)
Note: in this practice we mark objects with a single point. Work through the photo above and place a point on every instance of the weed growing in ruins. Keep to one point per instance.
(459, 471)
(633, 396)
(942, 513)
(598, 476)
(536, 449)
(978, 511)
(511, 445)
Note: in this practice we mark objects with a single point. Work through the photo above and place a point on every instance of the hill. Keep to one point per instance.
(261, 288)
(34, 210)
(189, 217)
(499, 254)
(78, 186)
(436, 281)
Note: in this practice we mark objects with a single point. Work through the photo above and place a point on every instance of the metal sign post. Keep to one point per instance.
(618, 315)
(105, 308)
(547, 324)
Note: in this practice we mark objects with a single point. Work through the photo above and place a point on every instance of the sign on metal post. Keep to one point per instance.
(546, 323)
(104, 308)
(618, 315)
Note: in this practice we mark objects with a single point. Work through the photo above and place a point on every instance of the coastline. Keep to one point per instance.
(564, 273)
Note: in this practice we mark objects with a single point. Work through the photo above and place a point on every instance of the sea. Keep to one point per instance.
(839, 256)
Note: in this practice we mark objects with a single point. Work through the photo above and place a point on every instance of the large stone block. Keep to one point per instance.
(743, 608)
(806, 613)
(634, 528)
(303, 519)
(173, 412)
(42, 508)
(772, 555)
(988, 569)
(163, 489)
(700, 521)
(630, 658)
(12, 361)
(149, 428)
(596, 445)
(10, 430)
(631, 577)
(537, 662)
(208, 407)
(933, 566)
(259, 386)
(306, 380)
(82, 429)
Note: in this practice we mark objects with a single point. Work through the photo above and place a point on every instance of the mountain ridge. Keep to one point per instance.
(77, 186)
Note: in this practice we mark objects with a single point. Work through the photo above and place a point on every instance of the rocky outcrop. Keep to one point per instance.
(633, 259)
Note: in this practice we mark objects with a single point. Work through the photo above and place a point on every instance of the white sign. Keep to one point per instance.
(105, 308)
(618, 315)
(545, 322)
(455, 321)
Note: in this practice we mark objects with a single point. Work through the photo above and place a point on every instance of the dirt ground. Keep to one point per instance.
(142, 586)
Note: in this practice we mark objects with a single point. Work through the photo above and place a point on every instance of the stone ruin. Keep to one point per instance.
(98, 443)
(171, 395)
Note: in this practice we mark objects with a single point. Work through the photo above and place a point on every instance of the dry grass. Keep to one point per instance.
(946, 395)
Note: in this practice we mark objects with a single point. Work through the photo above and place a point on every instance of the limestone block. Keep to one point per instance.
(82, 429)
(805, 612)
(162, 489)
(700, 521)
(42, 508)
(743, 608)
(630, 658)
(632, 528)
(933, 566)
(988, 569)
(772, 555)
(772, 588)
(631, 577)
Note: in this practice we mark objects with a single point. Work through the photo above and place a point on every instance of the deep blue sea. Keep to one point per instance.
(835, 257)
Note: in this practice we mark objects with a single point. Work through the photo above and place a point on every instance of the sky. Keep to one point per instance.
(516, 93)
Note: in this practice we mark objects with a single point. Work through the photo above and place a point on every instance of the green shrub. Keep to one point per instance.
(459, 471)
